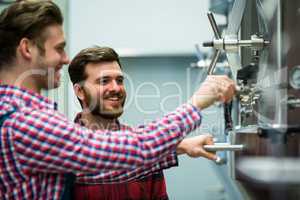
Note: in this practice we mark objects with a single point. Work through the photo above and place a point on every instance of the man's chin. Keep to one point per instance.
(109, 114)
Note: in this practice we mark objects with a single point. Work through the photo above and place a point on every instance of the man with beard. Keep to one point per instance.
(39, 145)
(98, 83)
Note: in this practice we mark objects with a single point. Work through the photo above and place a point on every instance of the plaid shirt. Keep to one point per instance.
(151, 187)
(39, 145)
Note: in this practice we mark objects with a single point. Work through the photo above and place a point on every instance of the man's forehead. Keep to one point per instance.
(109, 73)
(54, 34)
(104, 69)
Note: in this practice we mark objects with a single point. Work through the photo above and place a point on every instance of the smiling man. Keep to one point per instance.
(98, 83)
(39, 145)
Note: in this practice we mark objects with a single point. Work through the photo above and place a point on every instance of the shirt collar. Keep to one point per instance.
(78, 120)
(25, 97)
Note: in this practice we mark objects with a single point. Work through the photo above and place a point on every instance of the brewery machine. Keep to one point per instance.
(262, 124)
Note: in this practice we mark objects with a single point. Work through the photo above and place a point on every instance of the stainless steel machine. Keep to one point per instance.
(262, 45)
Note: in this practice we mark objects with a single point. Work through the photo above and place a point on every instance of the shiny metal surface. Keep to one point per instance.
(214, 25)
(224, 147)
(267, 109)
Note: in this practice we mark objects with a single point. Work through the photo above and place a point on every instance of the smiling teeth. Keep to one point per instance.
(113, 99)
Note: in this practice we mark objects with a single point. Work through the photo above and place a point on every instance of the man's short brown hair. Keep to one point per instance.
(26, 19)
(94, 54)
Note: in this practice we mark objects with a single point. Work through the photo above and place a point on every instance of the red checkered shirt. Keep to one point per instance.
(151, 187)
(39, 145)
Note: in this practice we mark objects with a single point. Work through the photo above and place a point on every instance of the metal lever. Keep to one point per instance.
(213, 62)
(224, 147)
(217, 53)
(211, 68)
(214, 25)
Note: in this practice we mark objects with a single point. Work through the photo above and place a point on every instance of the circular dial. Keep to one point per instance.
(295, 77)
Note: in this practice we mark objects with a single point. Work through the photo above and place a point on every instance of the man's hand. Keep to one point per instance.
(193, 147)
(214, 88)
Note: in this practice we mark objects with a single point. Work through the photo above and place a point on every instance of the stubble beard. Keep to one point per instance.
(98, 109)
(47, 79)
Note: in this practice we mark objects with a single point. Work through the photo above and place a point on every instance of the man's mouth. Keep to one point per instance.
(114, 99)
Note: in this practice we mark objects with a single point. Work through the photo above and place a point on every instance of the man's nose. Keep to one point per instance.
(115, 86)
(65, 59)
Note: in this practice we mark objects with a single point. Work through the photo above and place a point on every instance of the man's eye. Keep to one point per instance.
(60, 49)
(120, 81)
(103, 81)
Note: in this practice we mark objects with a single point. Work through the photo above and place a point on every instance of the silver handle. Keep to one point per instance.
(213, 63)
(214, 25)
(217, 53)
(224, 147)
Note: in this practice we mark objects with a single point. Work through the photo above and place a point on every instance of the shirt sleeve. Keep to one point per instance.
(119, 176)
(45, 141)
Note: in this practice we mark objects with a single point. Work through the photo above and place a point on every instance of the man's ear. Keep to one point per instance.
(79, 91)
(26, 48)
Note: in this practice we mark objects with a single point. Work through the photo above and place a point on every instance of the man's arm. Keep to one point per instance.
(192, 146)
(45, 140)
(111, 176)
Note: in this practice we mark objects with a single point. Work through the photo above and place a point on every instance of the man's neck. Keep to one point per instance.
(17, 77)
(96, 122)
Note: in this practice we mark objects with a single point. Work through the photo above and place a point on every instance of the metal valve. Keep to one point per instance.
(229, 43)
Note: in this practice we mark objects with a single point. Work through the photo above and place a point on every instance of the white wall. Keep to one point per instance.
(139, 27)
